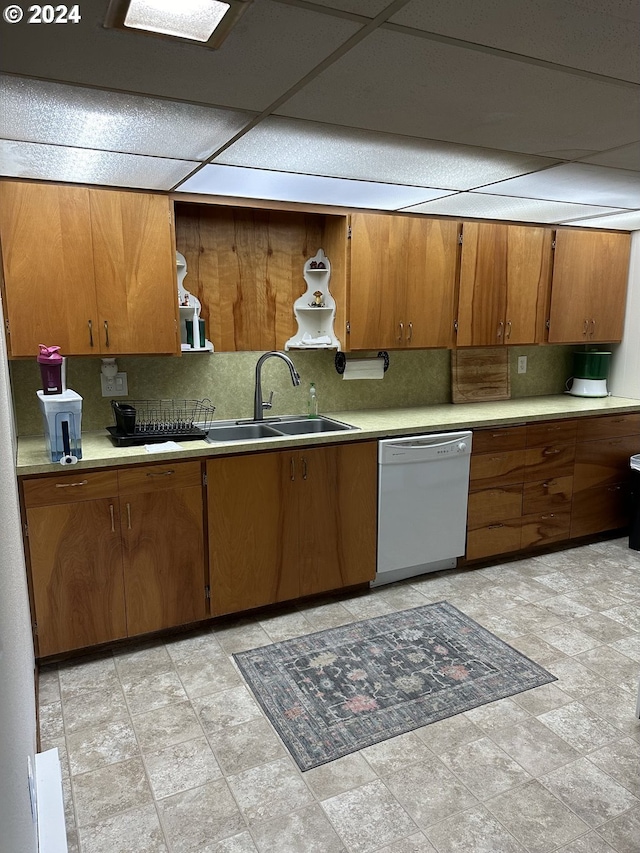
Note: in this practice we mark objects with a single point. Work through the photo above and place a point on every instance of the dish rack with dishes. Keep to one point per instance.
(152, 421)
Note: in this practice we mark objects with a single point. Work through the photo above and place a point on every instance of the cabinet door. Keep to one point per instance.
(589, 286)
(135, 272)
(48, 268)
(337, 506)
(504, 279)
(163, 552)
(76, 570)
(253, 535)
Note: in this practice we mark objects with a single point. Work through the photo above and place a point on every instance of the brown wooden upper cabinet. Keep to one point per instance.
(504, 281)
(245, 265)
(403, 281)
(90, 270)
(588, 292)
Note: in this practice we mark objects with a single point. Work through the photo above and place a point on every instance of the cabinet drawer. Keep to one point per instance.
(498, 538)
(549, 495)
(539, 528)
(551, 432)
(151, 478)
(554, 460)
(610, 426)
(604, 462)
(598, 509)
(69, 488)
(496, 469)
(491, 505)
(505, 438)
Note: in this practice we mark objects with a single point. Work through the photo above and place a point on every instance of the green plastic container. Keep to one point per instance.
(591, 365)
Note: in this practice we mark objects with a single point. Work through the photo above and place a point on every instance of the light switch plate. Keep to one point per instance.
(114, 387)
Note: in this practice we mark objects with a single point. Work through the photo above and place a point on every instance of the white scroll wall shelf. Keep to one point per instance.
(315, 310)
(191, 326)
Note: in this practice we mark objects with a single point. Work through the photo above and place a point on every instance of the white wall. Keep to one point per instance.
(17, 694)
(624, 379)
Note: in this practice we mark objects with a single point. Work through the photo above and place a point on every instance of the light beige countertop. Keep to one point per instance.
(98, 450)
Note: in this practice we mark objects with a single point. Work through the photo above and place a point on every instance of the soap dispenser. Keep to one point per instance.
(313, 402)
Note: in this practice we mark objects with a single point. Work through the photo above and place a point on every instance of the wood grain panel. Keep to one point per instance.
(480, 374)
(554, 460)
(155, 477)
(600, 508)
(604, 462)
(483, 284)
(496, 469)
(497, 538)
(135, 271)
(491, 505)
(540, 528)
(49, 277)
(590, 273)
(529, 261)
(498, 438)
(69, 488)
(252, 547)
(547, 495)
(76, 567)
(551, 432)
(610, 426)
(163, 551)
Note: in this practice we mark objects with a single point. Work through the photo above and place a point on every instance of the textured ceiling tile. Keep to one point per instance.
(499, 207)
(592, 39)
(37, 111)
(627, 157)
(619, 221)
(366, 8)
(268, 51)
(408, 85)
(81, 165)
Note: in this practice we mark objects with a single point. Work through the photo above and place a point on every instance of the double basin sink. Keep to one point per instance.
(274, 428)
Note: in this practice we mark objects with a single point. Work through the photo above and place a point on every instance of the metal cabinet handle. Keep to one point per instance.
(106, 333)
(68, 485)
(293, 469)
(304, 468)
(160, 473)
(585, 328)
(593, 328)
(550, 451)
(494, 526)
(500, 329)
(614, 488)
(90, 324)
(410, 333)
(508, 334)
(113, 521)
(401, 327)
(545, 517)
(128, 516)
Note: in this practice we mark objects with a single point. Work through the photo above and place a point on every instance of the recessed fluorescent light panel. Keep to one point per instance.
(309, 189)
(204, 21)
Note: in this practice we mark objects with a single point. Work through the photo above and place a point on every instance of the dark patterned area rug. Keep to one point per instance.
(337, 691)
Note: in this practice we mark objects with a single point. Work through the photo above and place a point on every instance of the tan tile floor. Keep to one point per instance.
(164, 749)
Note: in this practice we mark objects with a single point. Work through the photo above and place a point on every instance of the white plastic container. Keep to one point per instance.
(58, 409)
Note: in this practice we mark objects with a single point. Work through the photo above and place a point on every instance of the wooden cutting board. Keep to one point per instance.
(480, 374)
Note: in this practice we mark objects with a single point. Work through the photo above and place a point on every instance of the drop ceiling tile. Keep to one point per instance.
(627, 157)
(82, 165)
(602, 39)
(480, 206)
(628, 221)
(366, 8)
(38, 111)
(411, 86)
(306, 147)
(272, 46)
(309, 189)
(576, 182)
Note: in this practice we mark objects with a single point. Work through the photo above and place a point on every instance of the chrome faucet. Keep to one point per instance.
(258, 403)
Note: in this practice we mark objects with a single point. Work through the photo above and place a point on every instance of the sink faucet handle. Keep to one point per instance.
(268, 404)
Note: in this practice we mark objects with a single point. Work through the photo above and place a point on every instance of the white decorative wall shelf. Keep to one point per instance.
(315, 310)
(189, 313)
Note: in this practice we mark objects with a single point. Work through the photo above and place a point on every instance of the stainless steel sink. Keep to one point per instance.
(275, 428)
(308, 426)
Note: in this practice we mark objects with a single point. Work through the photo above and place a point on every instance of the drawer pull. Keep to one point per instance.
(160, 473)
(293, 469)
(90, 324)
(614, 488)
(410, 336)
(494, 526)
(550, 452)
(106, 332)
(401, 330)
(113, 521)
(128, 516)
(67, 485)
(545, 517)
(304, 468)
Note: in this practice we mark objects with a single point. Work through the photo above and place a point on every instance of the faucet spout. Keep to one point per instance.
(258, 403)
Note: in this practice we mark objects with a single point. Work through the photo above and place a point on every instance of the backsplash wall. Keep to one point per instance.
(414, 378)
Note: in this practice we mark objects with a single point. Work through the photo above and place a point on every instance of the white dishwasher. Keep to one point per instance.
(423, 485)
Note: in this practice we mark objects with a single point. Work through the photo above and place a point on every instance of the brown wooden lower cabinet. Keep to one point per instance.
(543, 527)
(499, 537)
(600, 508)
(107, 563)
(290, 523)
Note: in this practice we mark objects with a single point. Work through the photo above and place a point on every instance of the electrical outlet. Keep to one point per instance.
(522, 364)
(115, 386)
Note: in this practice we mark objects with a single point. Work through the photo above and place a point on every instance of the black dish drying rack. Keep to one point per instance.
(153, 421)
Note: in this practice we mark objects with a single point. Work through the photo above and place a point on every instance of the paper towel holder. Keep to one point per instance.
(341, 360)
